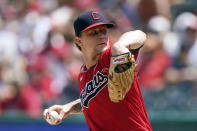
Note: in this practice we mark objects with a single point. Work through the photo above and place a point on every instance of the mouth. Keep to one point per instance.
(104, 43)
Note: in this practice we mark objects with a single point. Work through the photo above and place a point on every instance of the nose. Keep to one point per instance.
(102, 36)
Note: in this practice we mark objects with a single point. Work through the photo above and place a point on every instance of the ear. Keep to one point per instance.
(78, 41)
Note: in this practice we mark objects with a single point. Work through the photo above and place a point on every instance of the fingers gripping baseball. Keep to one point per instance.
(54, 115)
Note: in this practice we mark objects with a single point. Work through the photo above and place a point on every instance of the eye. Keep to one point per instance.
(93, 33)
(97, 31)
(103, 31)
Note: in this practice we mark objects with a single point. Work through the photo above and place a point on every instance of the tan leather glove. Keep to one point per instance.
(121, 76)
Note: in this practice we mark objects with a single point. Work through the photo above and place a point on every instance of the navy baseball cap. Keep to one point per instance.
(88, 20)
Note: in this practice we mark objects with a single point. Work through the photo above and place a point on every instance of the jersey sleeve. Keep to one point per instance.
(105, 58)
(135, 52)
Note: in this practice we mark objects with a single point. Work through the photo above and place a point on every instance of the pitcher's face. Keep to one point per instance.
(94, 39)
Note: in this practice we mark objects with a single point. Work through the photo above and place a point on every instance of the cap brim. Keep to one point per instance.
(109, 25)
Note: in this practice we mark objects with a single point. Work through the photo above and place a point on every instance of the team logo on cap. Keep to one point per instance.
(95, 16)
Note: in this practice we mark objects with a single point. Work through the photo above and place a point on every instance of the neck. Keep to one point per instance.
(90, 60)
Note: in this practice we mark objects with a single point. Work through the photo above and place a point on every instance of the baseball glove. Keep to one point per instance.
(121, 76)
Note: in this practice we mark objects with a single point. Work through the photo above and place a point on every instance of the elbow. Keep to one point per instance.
(136, 39)
(142, 36)
(129, 41)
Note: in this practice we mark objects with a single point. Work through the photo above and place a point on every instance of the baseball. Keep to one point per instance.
(52, 117)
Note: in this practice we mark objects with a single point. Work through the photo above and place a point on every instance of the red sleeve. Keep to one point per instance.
(104, 60)
(135, 52)
(136, 55)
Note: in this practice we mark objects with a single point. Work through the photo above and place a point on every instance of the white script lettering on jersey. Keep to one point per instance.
(92, 88)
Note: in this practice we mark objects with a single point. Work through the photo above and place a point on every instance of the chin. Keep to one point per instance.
(101, 49)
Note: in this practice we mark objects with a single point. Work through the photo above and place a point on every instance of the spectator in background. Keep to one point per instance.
(155, 59)
(185, 62)
(20, 97)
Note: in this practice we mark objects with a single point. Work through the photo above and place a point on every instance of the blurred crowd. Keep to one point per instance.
(39, 63)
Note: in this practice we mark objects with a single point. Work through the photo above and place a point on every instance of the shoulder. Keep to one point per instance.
(105, 56)
(106, 52)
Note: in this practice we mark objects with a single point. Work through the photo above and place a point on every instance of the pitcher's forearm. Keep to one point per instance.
(129, 41)
(75, 107)
(133, 39)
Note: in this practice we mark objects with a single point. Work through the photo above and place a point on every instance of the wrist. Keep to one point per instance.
(66, 110)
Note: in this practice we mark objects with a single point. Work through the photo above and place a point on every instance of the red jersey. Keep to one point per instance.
(100, 113)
